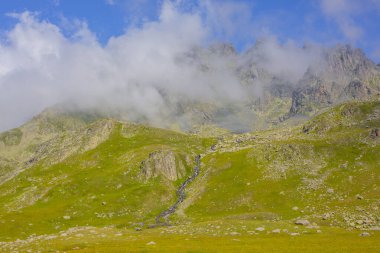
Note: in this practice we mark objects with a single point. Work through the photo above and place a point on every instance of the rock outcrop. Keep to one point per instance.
(357, 89)
(344, 73)
(163, 163)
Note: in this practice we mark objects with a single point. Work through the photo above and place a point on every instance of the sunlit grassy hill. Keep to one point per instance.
(65, 171)
(326, 171)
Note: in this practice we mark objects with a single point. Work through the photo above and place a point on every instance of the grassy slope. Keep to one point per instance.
(37, 200)
(279, 170)
(251, 180)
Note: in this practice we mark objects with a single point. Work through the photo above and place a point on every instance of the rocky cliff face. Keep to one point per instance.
(164, 163)
(356, 89)
(339, 73)
(345, 73)
(346, 63)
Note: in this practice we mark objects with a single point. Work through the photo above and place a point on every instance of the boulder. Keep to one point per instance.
(359, 197)
(302, 222)
(364, 234)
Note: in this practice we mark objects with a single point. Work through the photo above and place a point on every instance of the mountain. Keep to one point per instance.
(78, 181)
(279, 95)
(346, 74)
(290, 158)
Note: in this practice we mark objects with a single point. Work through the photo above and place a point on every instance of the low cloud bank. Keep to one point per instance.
(143, 72)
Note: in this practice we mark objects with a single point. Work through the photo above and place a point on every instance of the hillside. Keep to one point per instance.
(75, 176)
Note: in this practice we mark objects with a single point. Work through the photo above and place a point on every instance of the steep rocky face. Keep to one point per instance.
(312, 94)
(305, 100)
(223, 49)
(345, 73)
(345, 62)
(163, 163)
(357, 90)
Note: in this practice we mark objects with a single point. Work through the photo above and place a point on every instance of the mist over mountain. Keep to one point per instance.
(203, 126)
(172, 73)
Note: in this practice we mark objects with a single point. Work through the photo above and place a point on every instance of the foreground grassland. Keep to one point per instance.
(216, 236)
(73, 183)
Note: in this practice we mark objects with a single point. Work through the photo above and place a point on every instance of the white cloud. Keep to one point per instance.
(143, 72)
(110, 2)
(346, 12)
(136, 71)
(286, 60)
(343, 12)
(227, 19)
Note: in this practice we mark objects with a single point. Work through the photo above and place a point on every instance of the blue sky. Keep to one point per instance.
(356, 22)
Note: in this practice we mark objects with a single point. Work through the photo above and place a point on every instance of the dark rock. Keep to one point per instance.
(360, 197)
(306, 99)
(223, 49)
(357, 90)
(375, 133)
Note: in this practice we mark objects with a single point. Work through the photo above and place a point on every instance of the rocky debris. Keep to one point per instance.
(294, 234)
(138, 229)
(276, 231)
(357, 218)
(326, 216)
(302, 222)
(163, 163)
(364, 234)
(66, 217)
(260, 229)
(295, 208)
(151, 243)
(234, 233)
